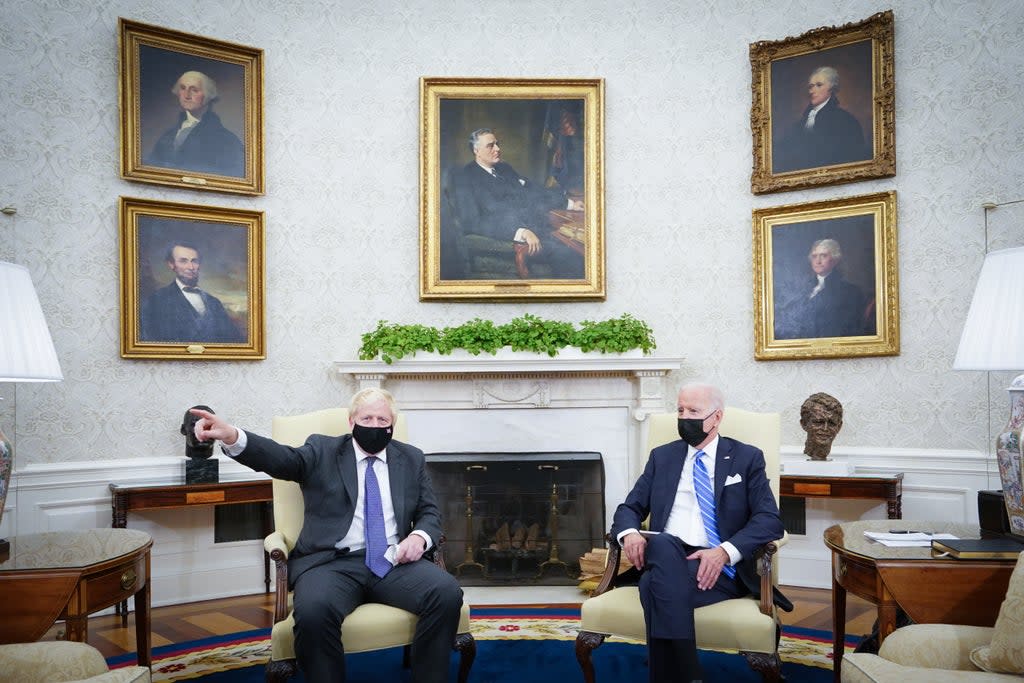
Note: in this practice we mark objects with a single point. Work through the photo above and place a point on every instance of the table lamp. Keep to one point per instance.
(26, 352)
(993, 339)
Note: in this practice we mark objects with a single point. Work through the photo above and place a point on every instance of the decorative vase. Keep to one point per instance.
(1008, 455)
(6, 466)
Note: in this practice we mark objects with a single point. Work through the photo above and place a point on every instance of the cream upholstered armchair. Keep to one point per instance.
(62, 661)
(744, 625)
(371, 626)
(930, 653)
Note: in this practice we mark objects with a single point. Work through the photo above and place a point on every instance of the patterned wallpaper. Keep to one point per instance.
(342, 208)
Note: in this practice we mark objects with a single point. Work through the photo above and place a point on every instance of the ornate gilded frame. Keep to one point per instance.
(862, 52)
(865, 227)
(519, 110)
(230, 244)
(151, 60)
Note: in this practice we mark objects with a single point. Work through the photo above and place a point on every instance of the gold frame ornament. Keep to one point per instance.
(803, 310)
(225, 248)
(792, 153)
(551, 168)
(222, 150)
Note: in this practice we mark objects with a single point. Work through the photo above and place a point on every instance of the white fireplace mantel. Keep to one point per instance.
(571, 365)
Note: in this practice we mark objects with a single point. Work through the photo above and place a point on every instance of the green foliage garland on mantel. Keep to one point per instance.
(391, 341)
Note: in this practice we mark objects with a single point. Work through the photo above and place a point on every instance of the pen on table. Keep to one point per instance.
(909, 531)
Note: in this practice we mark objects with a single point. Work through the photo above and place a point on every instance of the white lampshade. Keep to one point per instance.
(26, 350)
(993, 336)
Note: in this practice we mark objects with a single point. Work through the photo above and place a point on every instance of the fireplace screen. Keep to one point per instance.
(519, 518)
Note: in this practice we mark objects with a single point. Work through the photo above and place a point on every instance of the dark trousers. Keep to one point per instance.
(669, 594)
(326, 594)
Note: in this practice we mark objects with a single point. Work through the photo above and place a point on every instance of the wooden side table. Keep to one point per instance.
(889, 489)
(931, 590)
(68, 575)
(154, 496)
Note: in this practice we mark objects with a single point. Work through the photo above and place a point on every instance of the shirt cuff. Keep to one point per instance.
(426, 537)
(625, 533)
(237, 447)
(734, 555)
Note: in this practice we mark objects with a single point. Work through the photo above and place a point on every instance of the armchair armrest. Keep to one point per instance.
(763, 557)
(611, 567)
(276, 545)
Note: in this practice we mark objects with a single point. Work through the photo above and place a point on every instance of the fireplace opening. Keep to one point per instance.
(519, 518)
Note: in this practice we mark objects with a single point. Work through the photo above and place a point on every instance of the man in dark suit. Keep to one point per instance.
(198, 141)
(826, 134)
(357, 544)
(701, 555)
(491, 198)
(181, 312)
(825, 304)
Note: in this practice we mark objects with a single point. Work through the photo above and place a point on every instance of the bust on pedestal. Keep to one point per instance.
(201, 467)
(821, 416)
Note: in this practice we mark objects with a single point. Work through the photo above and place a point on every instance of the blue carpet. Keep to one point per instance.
(539, 661)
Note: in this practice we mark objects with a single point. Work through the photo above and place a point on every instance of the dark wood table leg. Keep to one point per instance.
(838, 619)
(119, 520)
(268, 528)
(143, 626)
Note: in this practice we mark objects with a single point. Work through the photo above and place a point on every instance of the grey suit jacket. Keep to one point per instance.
(325, 469)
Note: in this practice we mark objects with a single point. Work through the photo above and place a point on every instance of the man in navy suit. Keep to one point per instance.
(182, 312)
(699, 557)
(334, 567)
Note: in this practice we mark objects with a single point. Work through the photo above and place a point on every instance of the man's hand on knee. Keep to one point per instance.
(711, 562)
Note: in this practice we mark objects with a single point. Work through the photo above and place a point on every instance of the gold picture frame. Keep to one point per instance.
(826, 283)
(852, 134)
(173, 132)
(533, 230)
(191, 281)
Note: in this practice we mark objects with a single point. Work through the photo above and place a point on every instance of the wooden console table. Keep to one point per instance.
(930, 590)
(154, 496)
(68, 575)
(889, 489)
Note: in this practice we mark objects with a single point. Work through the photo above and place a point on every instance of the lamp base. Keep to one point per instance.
(1008, 455)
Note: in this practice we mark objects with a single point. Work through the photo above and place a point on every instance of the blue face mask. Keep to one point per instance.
(691, 429)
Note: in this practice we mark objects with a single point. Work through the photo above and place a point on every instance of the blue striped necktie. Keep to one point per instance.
(706, 500)
(373, 521)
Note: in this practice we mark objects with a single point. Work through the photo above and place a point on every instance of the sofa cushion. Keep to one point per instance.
(1005, 654)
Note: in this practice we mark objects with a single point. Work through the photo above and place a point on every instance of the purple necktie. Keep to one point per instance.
(706, 501)
(373, 520)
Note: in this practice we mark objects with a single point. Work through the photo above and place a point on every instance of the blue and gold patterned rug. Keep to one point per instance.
(514, 644)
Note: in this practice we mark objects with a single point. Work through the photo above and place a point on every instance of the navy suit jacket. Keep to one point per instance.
(325, 469)
(747, 514)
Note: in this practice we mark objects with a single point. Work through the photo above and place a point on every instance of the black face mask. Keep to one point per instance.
(691, 429)
(372, 439)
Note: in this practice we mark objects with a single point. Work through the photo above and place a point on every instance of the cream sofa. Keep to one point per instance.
(62, 661)
(931, 653)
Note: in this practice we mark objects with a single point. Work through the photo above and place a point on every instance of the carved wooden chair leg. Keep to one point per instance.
(465, 645)
(769, 665)
(586, 643)
(280, 671)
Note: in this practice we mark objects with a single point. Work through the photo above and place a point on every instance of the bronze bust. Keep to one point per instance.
(194, 448)
(821, 416)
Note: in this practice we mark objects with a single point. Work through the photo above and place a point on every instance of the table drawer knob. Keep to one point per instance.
(128, 579)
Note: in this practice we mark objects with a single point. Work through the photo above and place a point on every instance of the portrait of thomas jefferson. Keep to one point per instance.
(823, 280)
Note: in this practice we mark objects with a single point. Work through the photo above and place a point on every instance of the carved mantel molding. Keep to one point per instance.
(646, 373)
